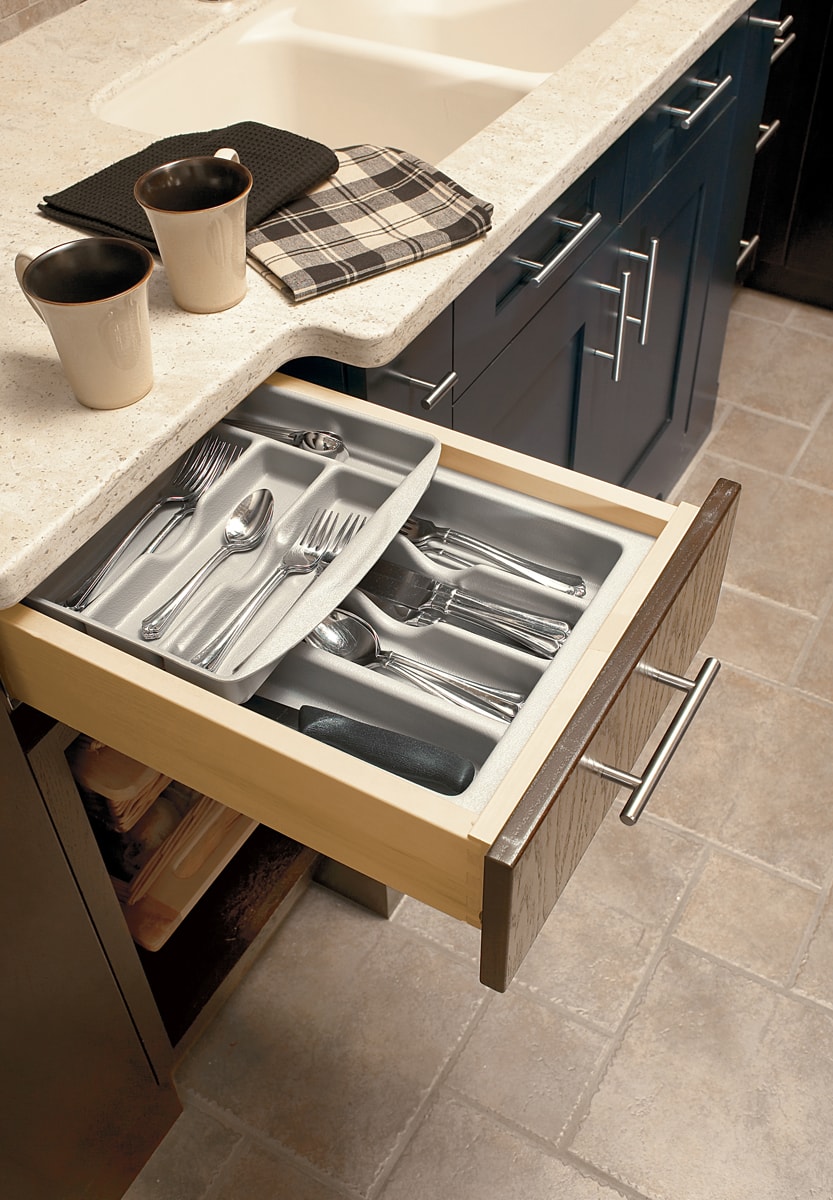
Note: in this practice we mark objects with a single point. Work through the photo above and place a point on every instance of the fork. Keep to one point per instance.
(197, 471)
(312, 551)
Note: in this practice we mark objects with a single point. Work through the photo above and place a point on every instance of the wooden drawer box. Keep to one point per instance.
(502, 867)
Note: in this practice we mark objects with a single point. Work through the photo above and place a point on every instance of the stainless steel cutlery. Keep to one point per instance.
(452, 546)
(317, 545)
(203, 464)
(422, 600)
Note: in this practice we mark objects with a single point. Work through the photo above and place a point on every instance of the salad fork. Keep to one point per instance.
(319, 543)
(198, 470)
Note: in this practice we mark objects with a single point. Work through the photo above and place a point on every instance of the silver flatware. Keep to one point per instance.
(452, 546)
(422, 600)
(351, 637)
(306, 554)
(244, 530)
(317, 441)
(203, 463)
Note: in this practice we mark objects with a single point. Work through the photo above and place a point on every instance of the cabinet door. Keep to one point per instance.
(635, 432)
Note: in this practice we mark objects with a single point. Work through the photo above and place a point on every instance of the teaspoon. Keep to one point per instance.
(353, 638)
(244, 530)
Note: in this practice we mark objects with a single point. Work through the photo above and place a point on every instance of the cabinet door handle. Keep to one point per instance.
(642, 787)
(780, 43)
(545, 269)
(648, 295)
(621, 320)
(765, 133)
(690, 115)
(435, 391)
(748, 246)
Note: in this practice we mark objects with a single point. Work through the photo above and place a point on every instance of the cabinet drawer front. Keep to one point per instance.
(529, 864)
(674, 123)
(506, 296)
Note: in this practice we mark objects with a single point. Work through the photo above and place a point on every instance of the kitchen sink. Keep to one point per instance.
(421, 75)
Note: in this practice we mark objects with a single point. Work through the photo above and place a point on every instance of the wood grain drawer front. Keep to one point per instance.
(540, 846)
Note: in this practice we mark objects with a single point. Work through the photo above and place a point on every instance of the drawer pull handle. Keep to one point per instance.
(780, 43)
(545, 269)
(766, 132)
(748, 247)
(621, 321)
(643, 787)
(690, 115)
(651, 259)
(436, 391)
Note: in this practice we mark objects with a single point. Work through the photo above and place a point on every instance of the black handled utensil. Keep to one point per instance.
(408, 757)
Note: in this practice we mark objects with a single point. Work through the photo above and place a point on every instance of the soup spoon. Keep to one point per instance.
(244, 530)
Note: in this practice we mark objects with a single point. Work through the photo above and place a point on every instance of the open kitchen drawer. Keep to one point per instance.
(501, 861)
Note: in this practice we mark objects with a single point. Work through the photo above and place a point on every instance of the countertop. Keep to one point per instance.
(66, 469)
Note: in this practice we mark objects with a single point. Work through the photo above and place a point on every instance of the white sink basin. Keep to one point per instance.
(422, 75)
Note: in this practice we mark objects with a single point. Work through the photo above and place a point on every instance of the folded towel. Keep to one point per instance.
(284, 166)
(381, 210)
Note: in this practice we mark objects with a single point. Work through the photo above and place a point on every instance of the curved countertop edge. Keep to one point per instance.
(66, 469)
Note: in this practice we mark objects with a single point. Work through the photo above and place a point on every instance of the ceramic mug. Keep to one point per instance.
(197, 211)
(92, 296)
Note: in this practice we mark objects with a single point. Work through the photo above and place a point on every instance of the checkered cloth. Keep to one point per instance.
(381, 210)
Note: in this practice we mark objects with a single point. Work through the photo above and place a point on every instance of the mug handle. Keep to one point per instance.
(227, 152)
(21, 262)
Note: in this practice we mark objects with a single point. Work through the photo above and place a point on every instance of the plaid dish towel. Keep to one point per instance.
(381, 210)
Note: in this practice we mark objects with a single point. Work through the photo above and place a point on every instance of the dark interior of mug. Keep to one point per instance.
(87, 270)
(192, 184)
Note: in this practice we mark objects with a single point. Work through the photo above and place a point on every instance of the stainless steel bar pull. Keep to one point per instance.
(691, 115)
(648, 295)
(435, 391)
(643, 786)
(544, 269)
(780, 42)
(615, 358)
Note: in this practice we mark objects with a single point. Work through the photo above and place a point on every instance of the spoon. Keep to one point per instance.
(353, 638)
(244, 530)
(317, 441)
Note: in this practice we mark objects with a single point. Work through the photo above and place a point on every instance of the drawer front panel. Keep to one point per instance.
(531, 861)
(505, 297)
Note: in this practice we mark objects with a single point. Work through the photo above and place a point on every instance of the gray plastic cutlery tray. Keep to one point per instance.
(389, 473)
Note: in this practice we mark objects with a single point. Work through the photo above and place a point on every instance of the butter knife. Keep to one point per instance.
(422, 600)
(409, 757)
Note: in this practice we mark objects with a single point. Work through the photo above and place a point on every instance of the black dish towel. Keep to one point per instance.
(284, 166)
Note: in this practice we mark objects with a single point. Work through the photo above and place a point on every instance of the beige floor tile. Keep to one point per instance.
(253, 1174)
(527, 1062)
(755, 773)
(777, 550)
(816, 463)
(816, 673)
(185, 1164)
(461, 939)
(812, 320)
(761, 304)
(815, 976)
(462, 1153)
(758, 635)
(758, 438)
(746, 915)
(594, 950)
(722, 1089)
(336, 1039)
(776, 369)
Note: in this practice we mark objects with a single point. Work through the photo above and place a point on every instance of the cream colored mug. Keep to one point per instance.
(197, 211)
(92, 296)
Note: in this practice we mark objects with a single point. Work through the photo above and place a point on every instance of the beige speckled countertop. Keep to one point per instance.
(64, 469)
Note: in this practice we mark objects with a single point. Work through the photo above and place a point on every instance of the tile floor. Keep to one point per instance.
(670, 1036)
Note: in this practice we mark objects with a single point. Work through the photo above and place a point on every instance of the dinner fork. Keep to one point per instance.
(197, 471)
(319, 543)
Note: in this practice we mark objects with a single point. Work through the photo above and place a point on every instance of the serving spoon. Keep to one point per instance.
(244, 530)
(351, 637)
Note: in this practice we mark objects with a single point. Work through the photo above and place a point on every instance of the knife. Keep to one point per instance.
(409, 757)
(420, 599)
